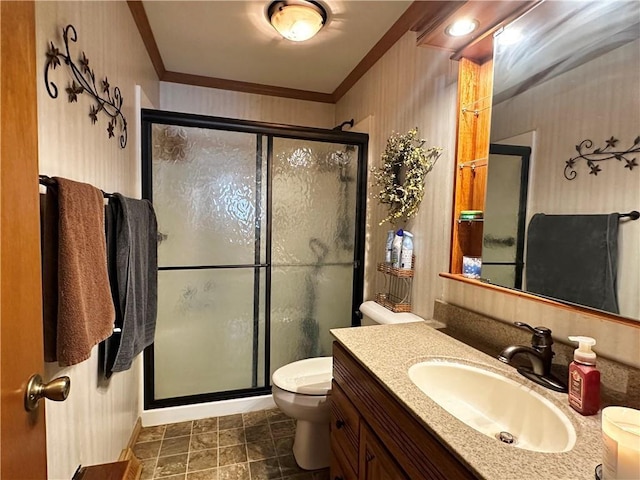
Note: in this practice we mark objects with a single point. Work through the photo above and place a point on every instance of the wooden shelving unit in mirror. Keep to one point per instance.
(475, 86)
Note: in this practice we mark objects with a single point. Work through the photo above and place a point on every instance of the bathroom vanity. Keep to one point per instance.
(384, 427)
(374, 437)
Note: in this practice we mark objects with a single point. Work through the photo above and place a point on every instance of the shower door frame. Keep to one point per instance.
(269, 131)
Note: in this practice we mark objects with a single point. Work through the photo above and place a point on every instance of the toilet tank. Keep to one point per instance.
(375, 314)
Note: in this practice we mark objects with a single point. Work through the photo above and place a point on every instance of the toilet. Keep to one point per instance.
(375, 314)
(300, 391)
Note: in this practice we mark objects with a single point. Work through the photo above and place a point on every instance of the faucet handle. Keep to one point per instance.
(541, 335)
(525, 326)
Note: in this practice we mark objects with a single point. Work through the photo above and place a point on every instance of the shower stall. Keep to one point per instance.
(260, 250)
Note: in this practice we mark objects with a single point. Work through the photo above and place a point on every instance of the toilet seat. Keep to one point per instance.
(311, 376)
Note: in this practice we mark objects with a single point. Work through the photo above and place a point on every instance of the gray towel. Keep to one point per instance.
(574, 258)
(133, 272)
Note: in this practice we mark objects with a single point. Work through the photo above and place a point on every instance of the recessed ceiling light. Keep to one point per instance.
(297, 20)
(462, 27)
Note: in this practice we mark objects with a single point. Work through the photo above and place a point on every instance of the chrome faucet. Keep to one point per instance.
(540, 355)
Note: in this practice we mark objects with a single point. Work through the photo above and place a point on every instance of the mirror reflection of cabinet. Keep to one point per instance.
(474, 106)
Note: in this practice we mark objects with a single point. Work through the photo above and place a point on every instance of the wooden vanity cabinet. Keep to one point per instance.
(375, 462)
(354, 447)
(337, 470)
(345, 434)
(387, 440)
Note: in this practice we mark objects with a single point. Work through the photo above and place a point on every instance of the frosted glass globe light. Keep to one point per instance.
(296, 22)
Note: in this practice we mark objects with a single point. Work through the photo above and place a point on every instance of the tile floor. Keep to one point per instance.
(248, 446)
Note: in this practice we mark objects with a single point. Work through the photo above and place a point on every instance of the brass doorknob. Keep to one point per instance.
(56, 390)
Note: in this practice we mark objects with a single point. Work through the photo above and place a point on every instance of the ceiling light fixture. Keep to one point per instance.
(297, 20)
(462, 27)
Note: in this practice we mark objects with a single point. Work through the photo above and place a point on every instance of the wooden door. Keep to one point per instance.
(375, 462)
(22, 435)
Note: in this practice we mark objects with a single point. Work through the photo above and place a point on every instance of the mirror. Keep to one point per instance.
(566, 83)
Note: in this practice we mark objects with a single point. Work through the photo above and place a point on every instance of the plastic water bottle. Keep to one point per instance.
(387, 255)
(396, 248)
(406, 256)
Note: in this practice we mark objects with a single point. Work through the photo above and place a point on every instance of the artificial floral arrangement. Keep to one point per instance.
(405, 164)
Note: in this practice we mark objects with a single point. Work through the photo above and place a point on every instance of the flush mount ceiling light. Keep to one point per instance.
(461, 27)
(296, 20)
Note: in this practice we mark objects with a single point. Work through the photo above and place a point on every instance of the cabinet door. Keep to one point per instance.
(338, 471)
(345, 428)
(375, 462)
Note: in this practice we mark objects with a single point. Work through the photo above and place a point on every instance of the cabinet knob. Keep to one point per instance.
(339, 424)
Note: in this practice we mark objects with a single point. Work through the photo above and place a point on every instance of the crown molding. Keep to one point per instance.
(142, 22)
(247, 87)
(417, 13)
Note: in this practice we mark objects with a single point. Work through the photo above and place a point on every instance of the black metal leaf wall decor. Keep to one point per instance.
(83, 80)
(601, 154)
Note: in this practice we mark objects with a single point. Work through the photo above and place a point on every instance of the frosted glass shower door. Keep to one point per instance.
(260, 250)
(209, 193)
(314, 189)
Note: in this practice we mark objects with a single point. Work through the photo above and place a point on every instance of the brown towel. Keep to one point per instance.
(85, 308)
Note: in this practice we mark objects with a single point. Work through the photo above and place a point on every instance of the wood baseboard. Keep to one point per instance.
(134, 436)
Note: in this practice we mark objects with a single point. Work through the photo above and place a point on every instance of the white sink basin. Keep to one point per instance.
(491, 404)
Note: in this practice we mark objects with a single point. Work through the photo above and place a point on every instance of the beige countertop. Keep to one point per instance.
(388, 351)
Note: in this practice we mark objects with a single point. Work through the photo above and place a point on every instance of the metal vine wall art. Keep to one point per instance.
(607, 152)
(84, 81)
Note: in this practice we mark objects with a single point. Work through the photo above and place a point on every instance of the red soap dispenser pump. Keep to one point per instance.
(584, 378)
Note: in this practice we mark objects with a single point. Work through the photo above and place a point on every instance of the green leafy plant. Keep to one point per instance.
(405, 164)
